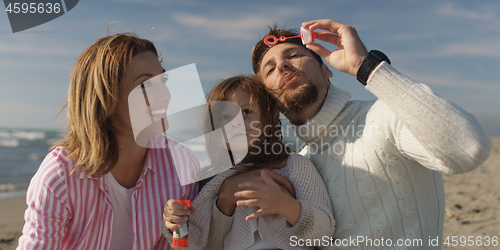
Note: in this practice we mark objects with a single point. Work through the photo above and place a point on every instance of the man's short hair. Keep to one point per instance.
(260, 49)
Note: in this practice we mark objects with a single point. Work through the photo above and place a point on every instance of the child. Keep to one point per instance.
(308, 216)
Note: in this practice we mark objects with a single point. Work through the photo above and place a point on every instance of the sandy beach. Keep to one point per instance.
(473, 203)
(472, 208)
(11, 221)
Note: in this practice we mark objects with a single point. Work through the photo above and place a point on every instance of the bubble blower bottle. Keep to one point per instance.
(180, 235)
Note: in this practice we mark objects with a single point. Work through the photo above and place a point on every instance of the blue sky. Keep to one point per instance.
(450, 45)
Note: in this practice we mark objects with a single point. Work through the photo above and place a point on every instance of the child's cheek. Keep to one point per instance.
(254, 125)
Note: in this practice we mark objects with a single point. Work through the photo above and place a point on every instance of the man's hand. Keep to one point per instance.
(351, 51)
(227, 201)
(175, 212)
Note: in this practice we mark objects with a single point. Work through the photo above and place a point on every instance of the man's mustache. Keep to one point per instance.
(287, 76)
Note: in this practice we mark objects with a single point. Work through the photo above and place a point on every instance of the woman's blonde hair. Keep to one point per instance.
(92, 97)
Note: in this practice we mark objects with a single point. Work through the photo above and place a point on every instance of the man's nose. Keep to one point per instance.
(284, 65)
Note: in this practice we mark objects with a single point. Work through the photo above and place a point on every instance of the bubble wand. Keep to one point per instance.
(306, 36)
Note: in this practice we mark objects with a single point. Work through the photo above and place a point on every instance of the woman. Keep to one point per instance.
(98, 189)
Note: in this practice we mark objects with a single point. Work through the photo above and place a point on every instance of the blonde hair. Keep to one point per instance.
(92, 97)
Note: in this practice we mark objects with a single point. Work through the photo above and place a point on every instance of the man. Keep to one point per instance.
(382, 161)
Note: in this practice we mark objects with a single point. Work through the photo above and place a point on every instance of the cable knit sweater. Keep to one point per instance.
(315, 220)
(382, 161)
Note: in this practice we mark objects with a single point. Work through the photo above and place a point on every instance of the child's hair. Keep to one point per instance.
(270, 150)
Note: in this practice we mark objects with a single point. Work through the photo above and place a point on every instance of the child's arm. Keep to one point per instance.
(269, 198)
(316, 216)
(226, 201)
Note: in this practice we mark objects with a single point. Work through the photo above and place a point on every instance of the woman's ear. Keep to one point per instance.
(326, 71)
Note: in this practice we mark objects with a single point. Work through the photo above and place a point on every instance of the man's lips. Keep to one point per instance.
(290, 78)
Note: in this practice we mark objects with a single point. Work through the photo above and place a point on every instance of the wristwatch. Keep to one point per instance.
(370, 61)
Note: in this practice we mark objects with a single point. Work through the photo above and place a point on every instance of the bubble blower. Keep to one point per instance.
(180, 236)
(306, 35)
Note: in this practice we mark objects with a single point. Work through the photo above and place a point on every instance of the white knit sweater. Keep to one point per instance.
(382, 161)
(315, 219)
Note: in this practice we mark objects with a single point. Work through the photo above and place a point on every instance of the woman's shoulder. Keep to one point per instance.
(57, 157)
(55, 165)
(52, 180)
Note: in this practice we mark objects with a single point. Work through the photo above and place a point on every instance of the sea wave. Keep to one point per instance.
(9, 190)
(11, 187)
(17, 193)
(11, 138)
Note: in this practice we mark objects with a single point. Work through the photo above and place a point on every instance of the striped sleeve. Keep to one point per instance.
(193, 188)
(185, 162)
(46, 216)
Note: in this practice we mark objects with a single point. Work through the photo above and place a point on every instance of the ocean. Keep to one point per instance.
(21, 153)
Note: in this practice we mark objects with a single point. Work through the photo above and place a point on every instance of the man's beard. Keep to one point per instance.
(293, 99)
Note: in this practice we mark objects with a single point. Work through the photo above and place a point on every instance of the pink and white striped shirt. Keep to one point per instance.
(74, 212)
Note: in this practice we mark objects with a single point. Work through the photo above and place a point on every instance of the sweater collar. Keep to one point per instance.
(335, 101)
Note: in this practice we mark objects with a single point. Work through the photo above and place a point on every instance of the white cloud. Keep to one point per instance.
(38, 45)
(451, 9)
(242, 28)
(453, 81)
(238, 27)
(154, 2)
(451, 29)
(482, 49)
(485, 48)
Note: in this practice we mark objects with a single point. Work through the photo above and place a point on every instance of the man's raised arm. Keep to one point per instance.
(426, 127)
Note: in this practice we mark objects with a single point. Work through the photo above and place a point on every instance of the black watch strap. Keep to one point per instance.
(369, 63)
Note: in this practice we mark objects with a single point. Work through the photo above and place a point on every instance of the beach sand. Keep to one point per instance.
(472, 207)
(11, 221)
(473, 203)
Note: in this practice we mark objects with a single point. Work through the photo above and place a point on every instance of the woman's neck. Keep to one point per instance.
(130, 163)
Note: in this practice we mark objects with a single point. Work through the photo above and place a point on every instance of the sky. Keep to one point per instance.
(450, 45)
